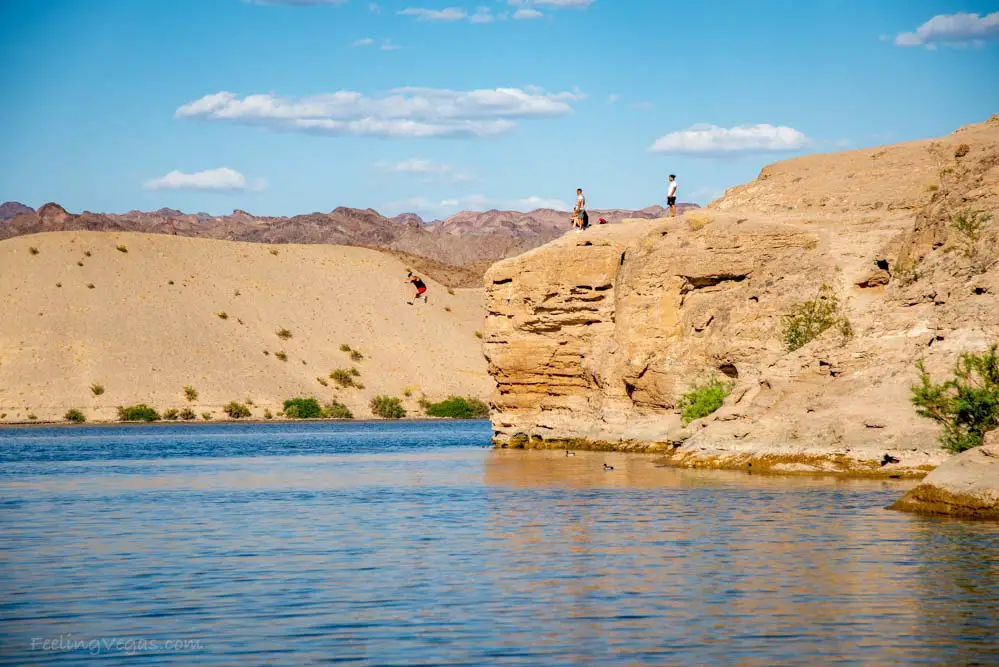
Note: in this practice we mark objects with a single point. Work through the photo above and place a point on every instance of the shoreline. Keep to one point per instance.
(162, 422)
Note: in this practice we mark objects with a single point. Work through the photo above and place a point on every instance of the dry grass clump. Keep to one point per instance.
(697, 220)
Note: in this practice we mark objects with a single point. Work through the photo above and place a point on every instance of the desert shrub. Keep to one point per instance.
(345, 377)
(322, 381)
(450, 290)
(32, 416)
(407, 392)
(87, 253)
(268, 414)
(96, 389)
(387, 407)
(809, 319)
(58, 284)
(187, 414)
(121, 248)
(274, 251)
(75, 416)
(236, 410)
(283, 356)
(190, 393)
(356, 356)
(962, 150)
(207, 416)
(424, 403)
(33, 250)
(235, 292)
(703, 399)
(90, 286)
(222, 315)
(171, 415)
(337, 410)
(457, 407)
(80, 263)
(478, 334)
(344, 347)
(138, 413)
(302, 408)
(967, 405)
(283, 334)
(447, 309)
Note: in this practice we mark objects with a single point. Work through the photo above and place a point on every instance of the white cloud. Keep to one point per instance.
(554, 4)
(374, 7)
(389, 45)
(364, 41)
(613, 98)
(403, 112)
(642, 105)
(295, 3)
(220, 179)
(451, 14)
(955, 29)
(429, 168)
(713, 141)
(527, 14)
(532, 203)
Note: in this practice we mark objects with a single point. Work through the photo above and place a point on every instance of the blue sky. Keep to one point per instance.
(288, 106)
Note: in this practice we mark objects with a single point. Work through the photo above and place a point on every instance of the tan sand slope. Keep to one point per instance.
(150, 325)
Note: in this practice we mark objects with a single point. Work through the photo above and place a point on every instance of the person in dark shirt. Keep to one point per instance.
(421, 289)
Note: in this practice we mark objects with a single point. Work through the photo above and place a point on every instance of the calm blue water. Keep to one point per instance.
(416, 544)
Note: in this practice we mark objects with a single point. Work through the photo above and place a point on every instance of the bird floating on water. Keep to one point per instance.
(568, 453)
(607, 467)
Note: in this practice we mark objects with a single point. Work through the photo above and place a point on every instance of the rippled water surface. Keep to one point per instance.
(416, 544)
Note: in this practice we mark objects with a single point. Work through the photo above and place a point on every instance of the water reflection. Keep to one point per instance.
(460, 555)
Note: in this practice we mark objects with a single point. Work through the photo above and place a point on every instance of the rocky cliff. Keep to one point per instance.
(593, 339)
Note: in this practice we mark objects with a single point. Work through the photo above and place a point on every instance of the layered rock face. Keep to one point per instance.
(593, 338)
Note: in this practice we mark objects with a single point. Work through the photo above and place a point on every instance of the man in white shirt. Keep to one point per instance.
(671, 195)
(580, 211)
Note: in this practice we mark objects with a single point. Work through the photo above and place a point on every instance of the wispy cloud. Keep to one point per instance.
(426, 168)
(553, 4)
(704, 140)
(451, 14)
(533, 203)
(295, 3)
(613, 98)
(364, 41)
(221, 179)
(389, 45)
(527, 14)
(441, 208)
(955, 29)
(401, 113)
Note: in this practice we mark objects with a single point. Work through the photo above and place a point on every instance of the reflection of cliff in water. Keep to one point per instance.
(730, 560)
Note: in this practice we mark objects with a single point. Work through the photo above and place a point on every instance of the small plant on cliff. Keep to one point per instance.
(190, 393)
(967, 405)
(387, 407)
(282, 355)
(187, 414)
(356, 356)
(283, 334)
(75, 416)
(96, 389)
(703, 399)
(171, 415)
(223, 315)
(236, 410)
(302, 408)
(809, 319)
(138, 413)
(121, 248)
(457, 407)
(969, 226)
(345, 377)
(33, 250)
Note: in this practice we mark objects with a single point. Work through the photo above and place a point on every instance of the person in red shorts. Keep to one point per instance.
(421, 289)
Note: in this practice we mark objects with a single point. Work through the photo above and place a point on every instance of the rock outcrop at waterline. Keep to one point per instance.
(593, 338)
(965, 486)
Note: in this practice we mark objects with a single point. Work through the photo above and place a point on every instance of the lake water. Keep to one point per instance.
(416, 544)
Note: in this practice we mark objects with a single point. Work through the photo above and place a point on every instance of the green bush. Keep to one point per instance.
(207, 416)
(283, 334)
(190, 393)
(33, 250)
(171, 415)
(283, 356)
(75, 416)
(337, 410)
(344, 347)
(703, 399)
(356, 356)
(969, 225)
(236, 410)
(138, 413)
(302, 408)
(268, 414)
(345, 377)
(967, 405)
(387, 407)
(96, 389)
(809, 319)
(457, 407)
(187, 414)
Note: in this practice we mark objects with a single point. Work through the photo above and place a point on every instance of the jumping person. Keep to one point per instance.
(671, 195)
(580, 210)
(421, 289)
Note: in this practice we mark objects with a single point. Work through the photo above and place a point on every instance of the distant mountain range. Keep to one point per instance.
(467, 240)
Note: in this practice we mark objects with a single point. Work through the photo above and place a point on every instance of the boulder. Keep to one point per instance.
(965, 486)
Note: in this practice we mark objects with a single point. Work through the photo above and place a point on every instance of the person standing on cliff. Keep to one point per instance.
(580, 210)
(671, 195)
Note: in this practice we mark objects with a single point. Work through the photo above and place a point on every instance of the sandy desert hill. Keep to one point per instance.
(145, 322)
